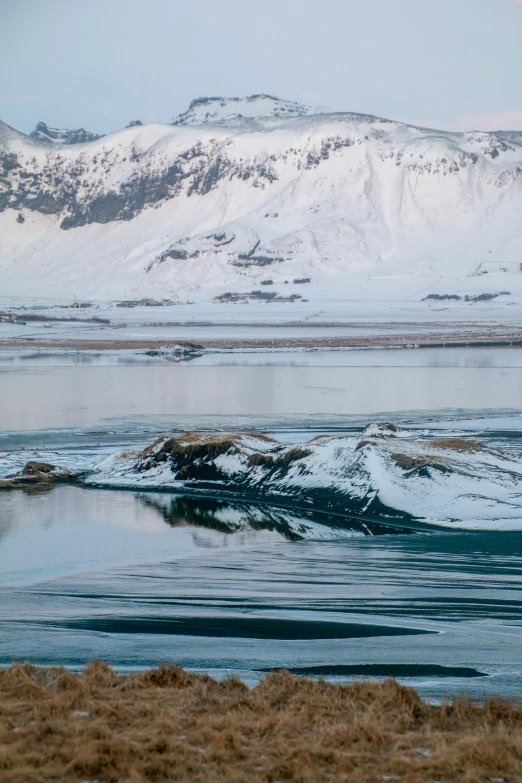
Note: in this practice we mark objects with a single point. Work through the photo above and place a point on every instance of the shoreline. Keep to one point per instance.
(409, 341)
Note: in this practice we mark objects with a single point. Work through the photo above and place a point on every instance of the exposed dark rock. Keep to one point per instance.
(481, 298)
(81, 190)
(256, 260)
(442, 297)
(380, 429)
(43, 132)
(186, 351)
(278, 462)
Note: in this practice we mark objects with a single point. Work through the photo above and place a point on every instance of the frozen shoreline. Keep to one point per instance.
(472, 337)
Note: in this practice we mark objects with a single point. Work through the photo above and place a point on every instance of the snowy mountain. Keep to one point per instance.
(238, 190)
(42, 132)
(255, 107)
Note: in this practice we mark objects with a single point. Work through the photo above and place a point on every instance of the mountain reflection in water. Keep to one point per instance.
(231, 516)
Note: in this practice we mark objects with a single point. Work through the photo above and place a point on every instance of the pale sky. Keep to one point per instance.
(97, 64)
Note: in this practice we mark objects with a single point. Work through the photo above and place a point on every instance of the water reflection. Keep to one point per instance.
(88, 396)
(69, 528)
(43, 534)
(230, 517)
(418, 357)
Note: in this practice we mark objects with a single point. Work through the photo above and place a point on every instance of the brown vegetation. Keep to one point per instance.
(280, 461)
(36, 474)
(419, 461)
(408, 462)
(191, 454)
(363, 443)
(456, 444)
(169, 725)
(471, 334)
(184, 450)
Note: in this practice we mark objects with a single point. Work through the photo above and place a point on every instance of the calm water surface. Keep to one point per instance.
(68, 390)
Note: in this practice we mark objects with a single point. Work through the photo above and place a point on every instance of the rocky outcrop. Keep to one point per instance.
(118, 180)
(254, 467)
(43, 132)
(230, 110)
(37, 474)
(390, 477)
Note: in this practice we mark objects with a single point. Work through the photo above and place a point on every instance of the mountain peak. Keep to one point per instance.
(44, 133)
(223, 110)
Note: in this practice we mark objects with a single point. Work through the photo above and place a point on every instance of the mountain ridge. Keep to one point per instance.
(43, 132)
(219, 195)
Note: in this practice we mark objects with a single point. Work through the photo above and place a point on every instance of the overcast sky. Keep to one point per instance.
(97, 64)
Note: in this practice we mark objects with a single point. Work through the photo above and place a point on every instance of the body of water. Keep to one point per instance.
(135, 578)
(73, 390)
(220, 587)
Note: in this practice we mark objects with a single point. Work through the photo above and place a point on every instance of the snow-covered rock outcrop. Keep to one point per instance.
(385, 476)
(218, 110)
(44, 133)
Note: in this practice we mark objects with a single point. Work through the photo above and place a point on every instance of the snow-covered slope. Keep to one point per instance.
(386, 475)
(239, 190)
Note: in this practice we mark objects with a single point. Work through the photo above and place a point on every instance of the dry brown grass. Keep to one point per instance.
(456, 444)
(168, 725)
(191, 446)
(187, 449)
(280, 461)
(409, 462)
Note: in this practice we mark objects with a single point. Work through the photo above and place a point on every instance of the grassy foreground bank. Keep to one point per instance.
(168, 725)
